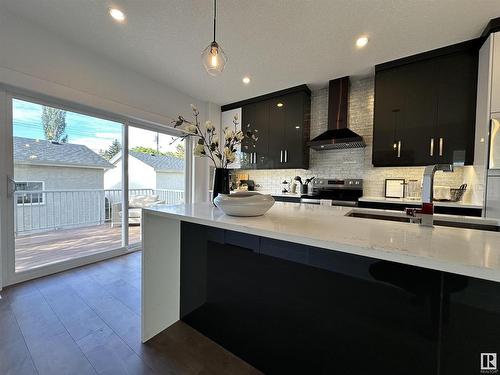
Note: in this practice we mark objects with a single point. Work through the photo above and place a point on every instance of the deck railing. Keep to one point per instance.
(53, 209)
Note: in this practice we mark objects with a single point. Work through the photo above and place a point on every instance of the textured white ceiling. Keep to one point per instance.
(278, 43)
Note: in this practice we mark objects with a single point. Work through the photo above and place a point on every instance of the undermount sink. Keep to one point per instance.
(444, 221)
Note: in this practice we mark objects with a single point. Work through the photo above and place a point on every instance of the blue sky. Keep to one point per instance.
(95, 133)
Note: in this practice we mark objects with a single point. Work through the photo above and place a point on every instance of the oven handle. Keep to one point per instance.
(334, 202)
(309, 201)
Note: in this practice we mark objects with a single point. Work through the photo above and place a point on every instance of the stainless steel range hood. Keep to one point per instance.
(338, 135)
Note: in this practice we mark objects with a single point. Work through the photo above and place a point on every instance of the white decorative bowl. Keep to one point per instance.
(245, 203)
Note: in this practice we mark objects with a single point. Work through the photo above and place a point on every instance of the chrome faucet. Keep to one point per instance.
(425, 215)
(428, 180)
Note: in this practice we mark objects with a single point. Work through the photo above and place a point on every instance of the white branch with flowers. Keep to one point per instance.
(208, 138)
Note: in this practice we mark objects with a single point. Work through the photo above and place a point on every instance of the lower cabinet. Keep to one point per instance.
(287, 308)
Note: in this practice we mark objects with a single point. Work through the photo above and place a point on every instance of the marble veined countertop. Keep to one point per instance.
(469, 252)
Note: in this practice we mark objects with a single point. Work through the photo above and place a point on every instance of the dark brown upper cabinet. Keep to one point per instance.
(425, 108)
(282, 121)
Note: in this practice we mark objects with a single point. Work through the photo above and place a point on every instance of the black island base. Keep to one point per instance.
(287, 308)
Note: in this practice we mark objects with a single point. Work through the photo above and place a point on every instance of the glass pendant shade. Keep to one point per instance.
(214, 59)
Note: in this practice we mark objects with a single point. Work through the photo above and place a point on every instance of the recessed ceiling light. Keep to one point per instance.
(117, 14)
(279, 105)
(246, 80)
(361, 41)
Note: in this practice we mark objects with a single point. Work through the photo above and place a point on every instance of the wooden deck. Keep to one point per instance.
(40, 249)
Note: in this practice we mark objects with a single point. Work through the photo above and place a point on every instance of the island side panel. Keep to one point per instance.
(160, 304)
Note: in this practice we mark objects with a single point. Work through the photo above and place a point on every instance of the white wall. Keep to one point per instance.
(227, 118)
(170, 180)
(483, 108)
(140, 175)
(61, 178)
(39, 60)
(201, 183)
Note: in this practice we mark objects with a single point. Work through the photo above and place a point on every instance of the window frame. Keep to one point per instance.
(42, 195)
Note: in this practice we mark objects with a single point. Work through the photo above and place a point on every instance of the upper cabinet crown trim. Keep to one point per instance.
(492, 27)
(291, 90)
(473, 44)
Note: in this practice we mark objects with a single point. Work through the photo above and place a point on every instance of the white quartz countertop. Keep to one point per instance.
(413, 201)
(467, 252)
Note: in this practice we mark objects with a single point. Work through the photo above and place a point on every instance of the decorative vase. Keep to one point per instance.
(221, 182)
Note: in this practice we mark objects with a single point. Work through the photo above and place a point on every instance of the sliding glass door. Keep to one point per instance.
(62, 210)
(156, 174)
(78, 182)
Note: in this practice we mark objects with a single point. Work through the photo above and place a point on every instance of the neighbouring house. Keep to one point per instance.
(57, 185)
(147, 171)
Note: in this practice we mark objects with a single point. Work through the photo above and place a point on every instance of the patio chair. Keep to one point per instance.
(136, 203)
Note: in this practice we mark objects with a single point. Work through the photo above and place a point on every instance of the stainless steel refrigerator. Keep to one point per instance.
(493, 182)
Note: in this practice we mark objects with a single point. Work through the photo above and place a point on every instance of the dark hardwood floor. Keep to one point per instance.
(87, 321)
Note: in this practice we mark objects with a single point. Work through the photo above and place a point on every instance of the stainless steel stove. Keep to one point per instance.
(339, 192)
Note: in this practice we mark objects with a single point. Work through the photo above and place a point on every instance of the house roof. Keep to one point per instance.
(35, 151)
(159, 162)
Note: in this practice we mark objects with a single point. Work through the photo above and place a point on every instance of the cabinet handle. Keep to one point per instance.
(441, 144)
(286, 156)
(281, 156)
(431, 152)
(399, 149)
(255, 158)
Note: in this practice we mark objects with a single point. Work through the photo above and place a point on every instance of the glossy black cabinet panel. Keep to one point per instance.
(303, 310)
(420, 111)
(283, 124)
(296, 130)
(471, 324)
(425, 110)
(256, 155)
(287, 123)
(277, 118)
(389, 118)
(457, 91)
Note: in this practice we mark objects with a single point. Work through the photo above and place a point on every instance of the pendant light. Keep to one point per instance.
(213, 57)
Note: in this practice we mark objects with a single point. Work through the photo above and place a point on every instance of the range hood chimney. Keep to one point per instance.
(338, 135)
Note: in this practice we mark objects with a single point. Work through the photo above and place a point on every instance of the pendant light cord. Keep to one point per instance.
(215, 15)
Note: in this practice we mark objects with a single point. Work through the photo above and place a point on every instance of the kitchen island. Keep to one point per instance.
(306, 288)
